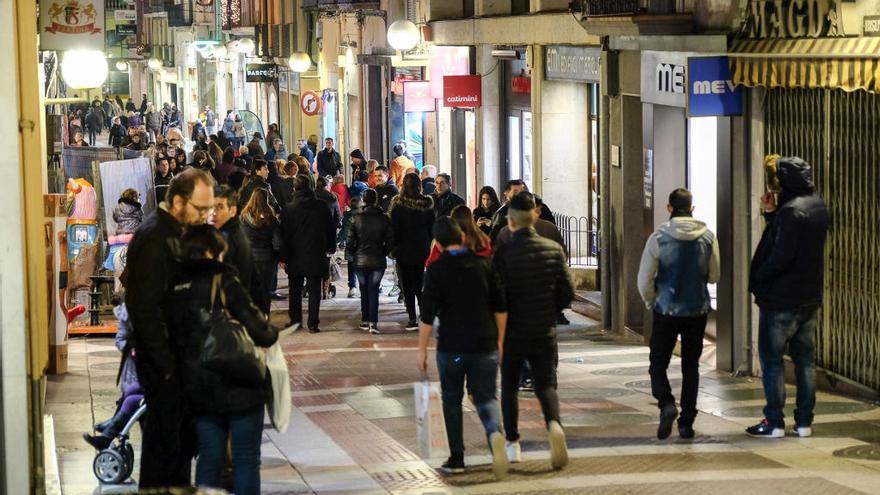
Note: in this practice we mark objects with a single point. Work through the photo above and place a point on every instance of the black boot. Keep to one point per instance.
(114, 426)
(100, 427)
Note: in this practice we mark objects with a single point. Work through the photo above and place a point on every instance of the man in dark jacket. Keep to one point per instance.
(429, 173)
(444, 199)
(323, 192)
(305, 151)
(385, 191)
(464, 291)
(358, 163)
(370, 240)
(786, 279)
(308, 237)
(328, 161)
(152, 270)
(499, 219)
(259, 181)
(538, 286)
(255, 148)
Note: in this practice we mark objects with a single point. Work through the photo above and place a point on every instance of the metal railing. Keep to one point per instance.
(581, 237)
(628, 7)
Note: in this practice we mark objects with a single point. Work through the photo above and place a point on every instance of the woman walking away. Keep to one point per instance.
(224, 406)
(412, 217)
(370, 240)
(489, 204)
(474, 239)
(261, 228)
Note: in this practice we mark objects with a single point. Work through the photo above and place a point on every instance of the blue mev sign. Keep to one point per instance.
(710, 89)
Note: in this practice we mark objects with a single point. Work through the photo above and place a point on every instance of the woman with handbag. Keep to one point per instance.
(225, 372)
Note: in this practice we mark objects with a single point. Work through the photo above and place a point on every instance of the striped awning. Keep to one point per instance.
(835, 63)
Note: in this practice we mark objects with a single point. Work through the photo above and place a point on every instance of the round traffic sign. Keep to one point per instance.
(310, 103)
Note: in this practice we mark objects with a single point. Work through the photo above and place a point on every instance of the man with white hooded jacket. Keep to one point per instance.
(678, 262)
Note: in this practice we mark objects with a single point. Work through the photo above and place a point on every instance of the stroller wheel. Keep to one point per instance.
(128, 455)
(332, 290)
(110, 467)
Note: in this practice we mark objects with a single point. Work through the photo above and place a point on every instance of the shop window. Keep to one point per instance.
(519, 7)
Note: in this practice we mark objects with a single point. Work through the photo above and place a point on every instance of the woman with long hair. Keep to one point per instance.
(475, 239)
(261, 228)
(412, 218)
(370, 241)
(489, 204)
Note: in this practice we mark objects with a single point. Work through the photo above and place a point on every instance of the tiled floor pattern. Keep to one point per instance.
(352, 429)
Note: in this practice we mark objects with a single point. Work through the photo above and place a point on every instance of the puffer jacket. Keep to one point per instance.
(370, 238)
(208, 392)
(679, 259)
(411, 221)
(788, 265)
(537, 285)
(128, 216)
(154, 120)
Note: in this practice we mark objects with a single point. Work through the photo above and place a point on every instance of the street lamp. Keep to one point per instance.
(82, 69)
(403, 35)
(154, 63)
(121, 65)
(246, 46)
(299, 62)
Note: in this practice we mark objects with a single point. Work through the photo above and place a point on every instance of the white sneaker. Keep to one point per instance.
(558, 449)
(353, 293)
(374, 329)
(364, 326)
(514, 452)
(500, 463)
(802, 431)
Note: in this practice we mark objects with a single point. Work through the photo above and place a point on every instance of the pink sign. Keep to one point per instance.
(417, 96)
(447, 61)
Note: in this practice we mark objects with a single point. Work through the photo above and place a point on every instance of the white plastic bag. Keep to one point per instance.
(430, 425)
(279, 408)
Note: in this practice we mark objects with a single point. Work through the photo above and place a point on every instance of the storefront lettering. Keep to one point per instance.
(713, 87)
(793, 19)
(573, 63)
(670, 78)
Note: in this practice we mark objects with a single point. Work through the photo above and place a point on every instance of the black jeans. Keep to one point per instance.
(265, 270)
(663, 339)
(411, 279)
(352, 275)
(541, 356)
(296, 292)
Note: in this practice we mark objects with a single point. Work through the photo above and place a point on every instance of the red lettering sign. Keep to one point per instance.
(520, 84)
(462, 91)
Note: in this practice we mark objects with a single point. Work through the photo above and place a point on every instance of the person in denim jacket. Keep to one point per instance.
(678, 262)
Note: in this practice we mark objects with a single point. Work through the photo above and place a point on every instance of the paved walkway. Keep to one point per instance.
(353, 430)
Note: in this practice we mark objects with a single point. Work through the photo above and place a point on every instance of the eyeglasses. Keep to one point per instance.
(202, 210)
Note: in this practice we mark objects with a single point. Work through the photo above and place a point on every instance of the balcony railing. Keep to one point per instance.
(627, 7)
(339, 4)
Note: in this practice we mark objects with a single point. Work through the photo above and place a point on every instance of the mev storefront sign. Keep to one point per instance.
(572, 63)
(664, 78)
(462, 91)
(710, 90)
(261, 73)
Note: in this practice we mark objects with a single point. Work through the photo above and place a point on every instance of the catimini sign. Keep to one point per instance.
(72, 25)
(261, 73)
(462, 91)
(572, 63)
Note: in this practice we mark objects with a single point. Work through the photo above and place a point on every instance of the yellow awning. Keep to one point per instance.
(836, 63)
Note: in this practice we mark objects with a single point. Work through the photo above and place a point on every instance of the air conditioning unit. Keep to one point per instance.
(506, 54)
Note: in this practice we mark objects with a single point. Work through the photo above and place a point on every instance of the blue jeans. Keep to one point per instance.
(796, 330)
(352, 275)
(481, 370)
(369, 280)
(246, 430)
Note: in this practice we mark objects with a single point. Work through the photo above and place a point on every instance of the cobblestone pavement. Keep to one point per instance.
(353, 428)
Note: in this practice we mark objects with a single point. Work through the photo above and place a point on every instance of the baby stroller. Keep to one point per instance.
(335, 276)
(115, 464)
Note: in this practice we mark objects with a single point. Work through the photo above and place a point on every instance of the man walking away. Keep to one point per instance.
(538, 286)
(308, 236)
(444, 199)
(328, 162)
(210, 121)
(153, 266)
(679, 259)
(465, 293)
(786, 279)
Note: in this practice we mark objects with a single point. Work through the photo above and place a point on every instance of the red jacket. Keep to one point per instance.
(436, 251)
(342, 193)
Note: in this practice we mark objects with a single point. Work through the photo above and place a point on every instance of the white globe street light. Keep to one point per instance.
(246, 46)
(154, 63)
(83, 69)
(121, 65)
(299, 62)
(403, 35)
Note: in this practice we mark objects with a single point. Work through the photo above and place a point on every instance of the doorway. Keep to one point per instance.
(464, 151)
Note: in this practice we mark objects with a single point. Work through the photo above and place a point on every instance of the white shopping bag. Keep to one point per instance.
(279, 408)
(430, 426)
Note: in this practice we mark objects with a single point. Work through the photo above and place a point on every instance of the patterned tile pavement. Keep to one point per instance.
(352, 428)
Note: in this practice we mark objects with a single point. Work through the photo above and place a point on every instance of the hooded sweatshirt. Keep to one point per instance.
(679, 259)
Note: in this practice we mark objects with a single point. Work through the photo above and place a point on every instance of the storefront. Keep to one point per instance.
(516, 128)
(817, 98)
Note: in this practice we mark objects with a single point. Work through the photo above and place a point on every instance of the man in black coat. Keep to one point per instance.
(786, 279)
(328, 161)
(444, 199)
(308, 237)
(259, 180)
(152, 269)
(323, 192)
(499, 219)
(538, 287)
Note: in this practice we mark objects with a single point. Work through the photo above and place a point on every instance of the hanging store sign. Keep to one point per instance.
(664, 78)
(261, 73)
(310, 103)
(794, 19)
(126, 29)
(462, 91)
(572, 63)
(418, 96)
(520, 84)
(125, 15)
(447, 61)
(711, 91)
(72, 25)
